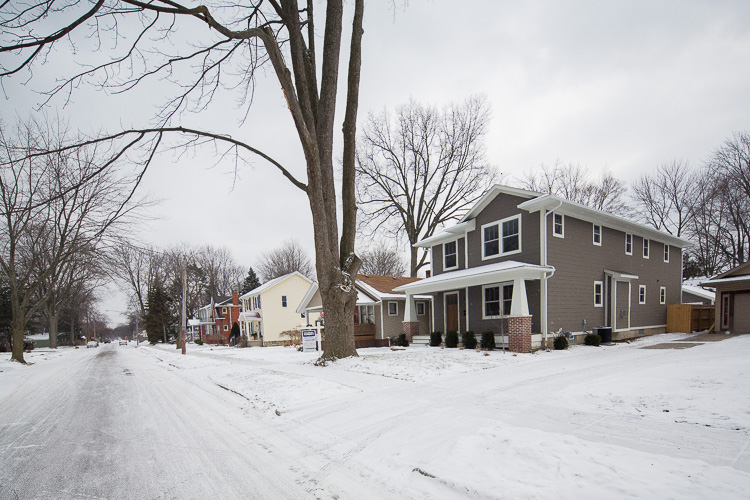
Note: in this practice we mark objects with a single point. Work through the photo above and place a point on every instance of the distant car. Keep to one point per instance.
(92, 343)
(107, 341)
(123, 342)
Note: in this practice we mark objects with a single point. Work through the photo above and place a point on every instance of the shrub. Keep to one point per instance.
(451, 339)
(488, 341)
(402, 341)
(436, 338)
(469, 340)
(592, 339)
(560, 343)
(198, 341)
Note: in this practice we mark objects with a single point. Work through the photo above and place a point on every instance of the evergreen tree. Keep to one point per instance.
(158, 315)
(251, 282)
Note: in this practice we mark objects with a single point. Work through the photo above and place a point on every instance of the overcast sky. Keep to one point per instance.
(617, 85)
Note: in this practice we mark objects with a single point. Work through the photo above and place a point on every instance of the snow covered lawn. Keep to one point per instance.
(610, 422)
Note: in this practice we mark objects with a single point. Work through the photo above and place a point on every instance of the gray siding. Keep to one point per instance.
(437, 256)
(578, 263)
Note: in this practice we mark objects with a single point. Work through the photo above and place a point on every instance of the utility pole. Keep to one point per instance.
(183, 315)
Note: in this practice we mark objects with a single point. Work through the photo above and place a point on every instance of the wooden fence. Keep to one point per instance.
(689, 318)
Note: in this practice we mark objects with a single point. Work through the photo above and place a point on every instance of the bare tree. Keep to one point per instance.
(421, 168)
(52, 206)
(287, 258)
(235, 41)
(382, 260)
(222, 273)
(573, 183)
(664, 199)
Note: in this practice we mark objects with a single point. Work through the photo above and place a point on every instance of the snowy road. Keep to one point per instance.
(111, 423)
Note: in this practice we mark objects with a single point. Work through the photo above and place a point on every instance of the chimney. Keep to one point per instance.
(235, 298)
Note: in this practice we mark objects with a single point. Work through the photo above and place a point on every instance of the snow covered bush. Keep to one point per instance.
(488, 341)
(560, 343)
(436, 338)
(451, 339)
(469, 340)
(592, 339)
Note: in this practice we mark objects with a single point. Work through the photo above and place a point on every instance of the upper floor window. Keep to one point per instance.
(558, 226)
(450, 260)
(420, 308)
(223, 310)
(662, 295)
(502, 237)
(598, 295)
(392, 308)
(283, 301)
(666, 253)
(628, 244)
(597, 235)
(646, 246)
(497, 299)
(642, 294)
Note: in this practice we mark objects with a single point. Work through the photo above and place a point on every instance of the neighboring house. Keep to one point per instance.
(732, 299)
(269, 310)
(528, 266)
(379, 312)
(692, 293)
(216, 319)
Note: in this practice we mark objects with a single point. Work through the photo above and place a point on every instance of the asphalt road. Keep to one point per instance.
(111, 423)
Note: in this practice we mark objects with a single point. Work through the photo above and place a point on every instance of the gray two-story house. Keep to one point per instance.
(527, 266)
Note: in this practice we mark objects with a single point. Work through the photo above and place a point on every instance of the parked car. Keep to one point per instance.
(123, 342)
(107, 341)
(92, 343)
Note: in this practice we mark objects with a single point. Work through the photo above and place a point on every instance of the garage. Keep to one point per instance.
(732, 299)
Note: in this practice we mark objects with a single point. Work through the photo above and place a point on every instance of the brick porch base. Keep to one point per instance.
(519, 333)
(411, 328)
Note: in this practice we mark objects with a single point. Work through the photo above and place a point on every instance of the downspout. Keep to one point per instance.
(543, 256)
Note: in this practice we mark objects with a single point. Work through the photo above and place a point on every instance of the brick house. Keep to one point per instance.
(217, 317)
(527, 266)
(378, 314)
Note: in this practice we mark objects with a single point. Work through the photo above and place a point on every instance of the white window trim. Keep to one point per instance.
(424, 308)
(445, 268)
(646, 248)
(223, 310)
(284, 298)
(499, 223)
(600, 284)
(643, 288)
(389, 308)
(500, 298)
(662, 295)
(626, 244)
(593, 234)
(555, 234)
(666, 253)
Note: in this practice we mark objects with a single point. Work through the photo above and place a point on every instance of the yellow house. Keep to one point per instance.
(270, 309)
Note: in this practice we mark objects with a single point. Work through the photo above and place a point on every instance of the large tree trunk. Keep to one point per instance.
(414, 261)
(17, 327)
(52, 331)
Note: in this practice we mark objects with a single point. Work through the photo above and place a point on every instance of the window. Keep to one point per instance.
(450, 257)
(558, 226)
(645, 248)
(364, 315)
(223, 310)
(598, 295)
(258, 301)
(628, 244)
(662, 295)
(497, 299)
(666, 252)
(642, 294)
(420, 308)
(597, 235)
(283, 301)
(392, 308)
(502, 237)
(226, 328)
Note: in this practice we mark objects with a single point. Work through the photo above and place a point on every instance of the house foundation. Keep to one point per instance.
(519, 333)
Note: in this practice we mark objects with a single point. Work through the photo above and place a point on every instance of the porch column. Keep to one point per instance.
(519, 322)
(410, 323)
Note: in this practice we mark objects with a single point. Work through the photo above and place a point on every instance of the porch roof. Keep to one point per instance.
(482, 275)
(249, 316)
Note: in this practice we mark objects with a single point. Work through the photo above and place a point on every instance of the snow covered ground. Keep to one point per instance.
(611, 422)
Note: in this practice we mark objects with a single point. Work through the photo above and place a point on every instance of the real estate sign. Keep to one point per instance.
(308, 340)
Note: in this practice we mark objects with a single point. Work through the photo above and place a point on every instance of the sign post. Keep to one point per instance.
(308, 340)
